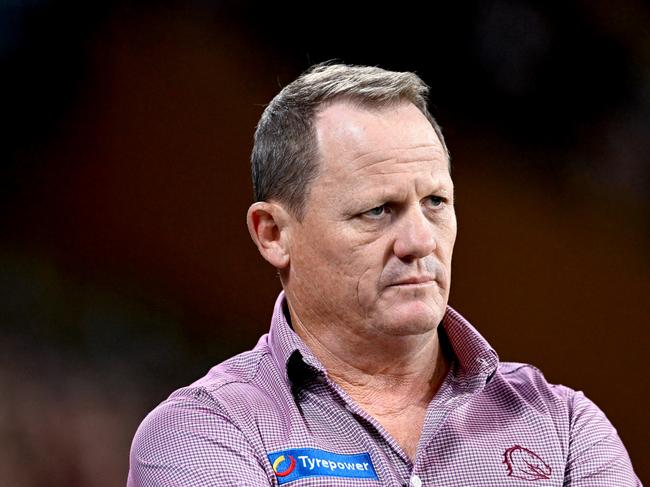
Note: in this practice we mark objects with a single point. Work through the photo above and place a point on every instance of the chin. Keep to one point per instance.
(411, 318)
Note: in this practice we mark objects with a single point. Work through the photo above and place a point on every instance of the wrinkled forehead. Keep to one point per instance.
(356, 141)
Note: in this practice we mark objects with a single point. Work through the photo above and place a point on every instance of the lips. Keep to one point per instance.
(426, 279)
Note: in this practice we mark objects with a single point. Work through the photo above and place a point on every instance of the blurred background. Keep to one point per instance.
(126, 266)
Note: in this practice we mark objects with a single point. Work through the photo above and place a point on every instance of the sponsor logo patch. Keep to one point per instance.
(298, 463)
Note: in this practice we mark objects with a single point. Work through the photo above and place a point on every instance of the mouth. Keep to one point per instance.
(415, 281)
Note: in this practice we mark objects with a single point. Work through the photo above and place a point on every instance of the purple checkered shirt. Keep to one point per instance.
(271, 416)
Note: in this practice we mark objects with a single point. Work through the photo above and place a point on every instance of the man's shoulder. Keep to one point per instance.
(241, 377)
(193, 433)
(230, 391)
(529, 381)
(230, 388)
(592, 450)
(523, 387)
(239, 369)
(519, 372)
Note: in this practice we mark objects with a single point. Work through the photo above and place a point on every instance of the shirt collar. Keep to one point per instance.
(286, 346)
(472, 354)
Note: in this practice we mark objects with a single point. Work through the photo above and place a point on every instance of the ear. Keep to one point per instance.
(268, 225)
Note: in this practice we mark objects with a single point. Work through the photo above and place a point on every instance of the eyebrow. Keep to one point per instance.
(385, 195)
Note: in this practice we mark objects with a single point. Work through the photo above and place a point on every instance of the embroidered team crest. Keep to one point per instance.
(524, 464)
(297, 463)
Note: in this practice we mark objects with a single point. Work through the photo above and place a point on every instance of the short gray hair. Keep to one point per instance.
(285, 154)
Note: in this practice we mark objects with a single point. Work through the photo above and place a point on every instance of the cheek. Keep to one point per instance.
(366, 266)
(367, 286)
(327, 263)
(452, 229)
(357, 273)
(447, 238)
(337, 265)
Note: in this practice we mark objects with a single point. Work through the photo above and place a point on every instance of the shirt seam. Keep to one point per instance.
(522, 366)
(250, 377)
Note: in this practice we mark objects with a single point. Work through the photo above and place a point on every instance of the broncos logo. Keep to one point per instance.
(525, 465)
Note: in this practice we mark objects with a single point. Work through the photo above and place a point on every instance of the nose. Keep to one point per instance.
(415, 236)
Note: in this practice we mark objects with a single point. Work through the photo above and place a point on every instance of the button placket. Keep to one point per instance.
(415, 481)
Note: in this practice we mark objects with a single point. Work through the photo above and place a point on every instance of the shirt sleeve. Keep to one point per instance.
(597, 457)
(187, 441)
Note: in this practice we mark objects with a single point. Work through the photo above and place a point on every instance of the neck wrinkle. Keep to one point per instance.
(396, 380)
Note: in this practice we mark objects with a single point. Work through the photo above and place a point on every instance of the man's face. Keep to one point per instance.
(373, 252)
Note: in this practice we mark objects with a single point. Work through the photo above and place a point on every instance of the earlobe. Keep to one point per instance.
(268, 227)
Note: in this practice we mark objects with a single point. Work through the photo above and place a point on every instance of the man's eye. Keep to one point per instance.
(436, 201)
(377, 211)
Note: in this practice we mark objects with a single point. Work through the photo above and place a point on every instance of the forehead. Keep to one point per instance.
(371, 146)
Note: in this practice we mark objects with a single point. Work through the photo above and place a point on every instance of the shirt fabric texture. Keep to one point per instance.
(264, 416)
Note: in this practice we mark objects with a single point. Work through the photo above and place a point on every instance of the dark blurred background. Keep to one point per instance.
(126, 266)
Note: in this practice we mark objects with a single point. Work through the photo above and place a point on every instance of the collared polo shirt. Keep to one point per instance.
(272, 416)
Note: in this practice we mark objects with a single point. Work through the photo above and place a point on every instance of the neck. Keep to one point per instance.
(383, 374)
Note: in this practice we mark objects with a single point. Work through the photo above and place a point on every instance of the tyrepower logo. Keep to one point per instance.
(296, 463)
(282, 470)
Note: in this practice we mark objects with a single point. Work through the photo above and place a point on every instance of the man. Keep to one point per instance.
(366, 376)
